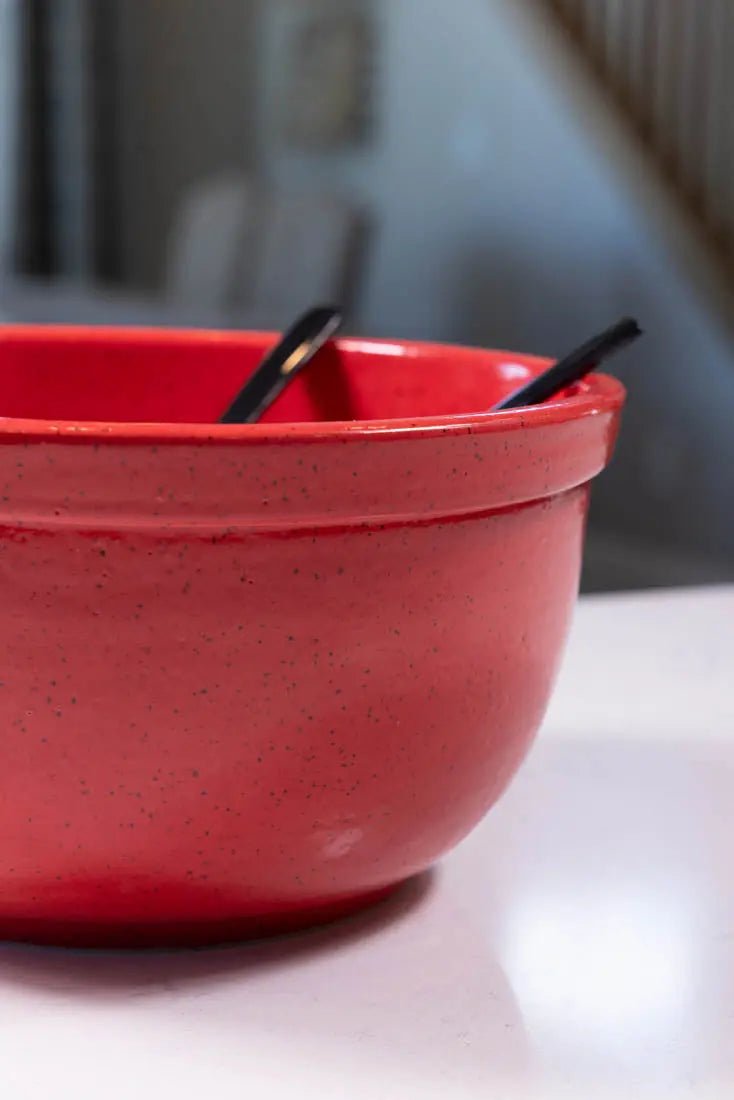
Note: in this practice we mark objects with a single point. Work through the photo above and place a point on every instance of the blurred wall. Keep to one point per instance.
(187, 110)
(502, 219)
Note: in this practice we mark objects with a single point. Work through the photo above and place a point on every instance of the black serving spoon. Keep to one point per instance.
(574, 367)
(280, 366)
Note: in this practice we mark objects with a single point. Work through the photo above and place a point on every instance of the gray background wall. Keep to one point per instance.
(187, 93)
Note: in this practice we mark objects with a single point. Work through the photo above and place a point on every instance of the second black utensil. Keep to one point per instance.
(280, 366)
(574, 367)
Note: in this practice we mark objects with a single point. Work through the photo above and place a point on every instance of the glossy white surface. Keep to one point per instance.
(579, 944)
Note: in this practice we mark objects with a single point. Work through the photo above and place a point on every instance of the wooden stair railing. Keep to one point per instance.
(670, 66)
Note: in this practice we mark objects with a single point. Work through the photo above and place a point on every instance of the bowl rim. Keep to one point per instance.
(599, 394)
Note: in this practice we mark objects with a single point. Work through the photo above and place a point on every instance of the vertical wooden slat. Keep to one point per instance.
(666, 81)
(567, 8)
(691, 102)
(619, 41)
(642, 81)
(573, 13)
(634, 34)
(720, 159)
(594, 26)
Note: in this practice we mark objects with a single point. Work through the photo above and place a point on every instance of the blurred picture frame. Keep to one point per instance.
(329, 92)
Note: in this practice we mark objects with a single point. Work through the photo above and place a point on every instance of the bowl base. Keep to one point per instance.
(183, 933)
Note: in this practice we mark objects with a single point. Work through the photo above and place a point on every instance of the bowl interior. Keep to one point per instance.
(128, 376)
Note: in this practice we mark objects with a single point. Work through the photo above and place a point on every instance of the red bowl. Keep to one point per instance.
(253, 677)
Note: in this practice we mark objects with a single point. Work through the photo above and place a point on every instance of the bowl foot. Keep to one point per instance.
(189, 933)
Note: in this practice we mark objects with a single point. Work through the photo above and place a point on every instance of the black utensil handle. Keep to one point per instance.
(292, 352)
(574, 367)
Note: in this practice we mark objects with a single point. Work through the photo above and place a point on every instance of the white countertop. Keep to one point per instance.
(579, 944)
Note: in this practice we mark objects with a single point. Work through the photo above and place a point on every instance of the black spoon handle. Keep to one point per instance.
(574, 367)
(296, 348)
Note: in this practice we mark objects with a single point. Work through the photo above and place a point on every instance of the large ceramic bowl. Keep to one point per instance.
(253, 677)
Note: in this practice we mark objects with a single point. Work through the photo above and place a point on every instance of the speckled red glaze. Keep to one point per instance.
(253, 677)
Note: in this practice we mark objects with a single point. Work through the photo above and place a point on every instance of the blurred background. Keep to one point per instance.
(512, 173)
